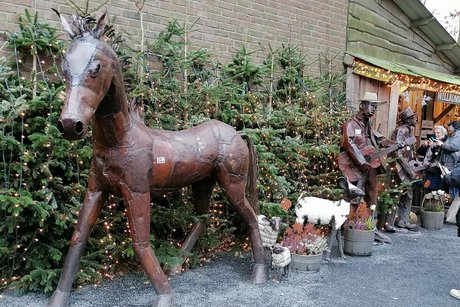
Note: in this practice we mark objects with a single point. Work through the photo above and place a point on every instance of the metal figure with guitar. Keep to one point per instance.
(362, 148)
(404, 170)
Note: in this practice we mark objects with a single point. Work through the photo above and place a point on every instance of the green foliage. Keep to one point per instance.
(34, 37)
(388, 199)
(295, 126)
(434, 201)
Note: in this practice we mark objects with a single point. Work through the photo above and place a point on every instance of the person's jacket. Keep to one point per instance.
(450, 150)
(433, 154)
(453, 178)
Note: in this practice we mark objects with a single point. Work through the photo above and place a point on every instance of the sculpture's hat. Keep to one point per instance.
(371, 97)
(406, 113)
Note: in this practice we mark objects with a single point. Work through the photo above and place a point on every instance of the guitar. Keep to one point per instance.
(372, 156)
(413, 168)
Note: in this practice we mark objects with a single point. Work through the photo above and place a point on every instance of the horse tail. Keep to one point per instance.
(253, 172)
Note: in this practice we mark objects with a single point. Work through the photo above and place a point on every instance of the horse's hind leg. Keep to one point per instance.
(234, 188)
(138, 208)
(201, 195)
(89, 213)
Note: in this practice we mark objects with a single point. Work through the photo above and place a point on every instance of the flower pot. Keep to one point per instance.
(432, 220)
(309, 263)
(358, 242)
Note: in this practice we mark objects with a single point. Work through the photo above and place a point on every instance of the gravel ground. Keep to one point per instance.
(418, 269)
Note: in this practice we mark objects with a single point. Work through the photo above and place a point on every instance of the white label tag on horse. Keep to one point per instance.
(161, 160)
(358, 131)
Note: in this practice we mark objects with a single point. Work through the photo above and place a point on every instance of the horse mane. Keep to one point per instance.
(83, 24)
(136, 110)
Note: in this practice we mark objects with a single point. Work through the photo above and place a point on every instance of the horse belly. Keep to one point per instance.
(169, 178)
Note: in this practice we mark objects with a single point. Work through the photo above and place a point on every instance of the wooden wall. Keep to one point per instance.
(378, 28)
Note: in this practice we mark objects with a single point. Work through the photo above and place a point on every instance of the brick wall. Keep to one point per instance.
(318, 27)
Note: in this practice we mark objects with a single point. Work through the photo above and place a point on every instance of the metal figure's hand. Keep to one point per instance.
(365, 167)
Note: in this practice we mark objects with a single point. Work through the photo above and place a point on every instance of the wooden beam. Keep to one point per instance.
(348, 60)
(421, 22)
(444, 113)
(393, 108)
(445, 47)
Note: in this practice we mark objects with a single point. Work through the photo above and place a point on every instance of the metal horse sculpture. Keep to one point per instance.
(136, 163)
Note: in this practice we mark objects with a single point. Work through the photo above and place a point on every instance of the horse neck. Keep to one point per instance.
(111, 121)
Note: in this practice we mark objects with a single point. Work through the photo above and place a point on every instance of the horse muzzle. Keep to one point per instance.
(71, 129)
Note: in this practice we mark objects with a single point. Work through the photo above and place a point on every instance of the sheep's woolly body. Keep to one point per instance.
(321, 210)
(267, 233)
(282, 259)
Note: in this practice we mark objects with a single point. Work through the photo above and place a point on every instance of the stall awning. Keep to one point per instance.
(409, 69)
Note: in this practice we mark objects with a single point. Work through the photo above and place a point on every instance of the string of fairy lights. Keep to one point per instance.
(367, 70)
(407, 81)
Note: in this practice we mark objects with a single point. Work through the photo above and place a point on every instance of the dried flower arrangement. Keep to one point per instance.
(434, 201)
(361, 218)
(304, 240)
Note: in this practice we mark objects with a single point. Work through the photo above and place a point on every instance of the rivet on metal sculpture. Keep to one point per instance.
(136, 163)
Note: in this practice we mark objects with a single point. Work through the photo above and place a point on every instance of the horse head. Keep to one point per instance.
(89, 67)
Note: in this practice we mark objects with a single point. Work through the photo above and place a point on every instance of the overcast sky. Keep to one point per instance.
(441, 10)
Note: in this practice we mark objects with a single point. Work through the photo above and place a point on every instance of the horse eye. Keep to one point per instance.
(94, 71)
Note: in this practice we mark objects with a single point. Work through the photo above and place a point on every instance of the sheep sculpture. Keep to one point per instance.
(280, 255)
(327, 212)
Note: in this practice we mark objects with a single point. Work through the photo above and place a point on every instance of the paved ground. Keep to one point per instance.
(416, 270)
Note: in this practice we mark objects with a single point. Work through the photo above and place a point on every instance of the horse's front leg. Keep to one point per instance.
(89, 213)
(138, 209)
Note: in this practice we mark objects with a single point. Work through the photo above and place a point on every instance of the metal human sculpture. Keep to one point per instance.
(362, 148)
(136, 163)
(405, 169)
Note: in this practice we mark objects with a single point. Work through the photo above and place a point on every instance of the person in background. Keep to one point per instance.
(452, 179)
(450, 151)
(440, 133)
(431, 153)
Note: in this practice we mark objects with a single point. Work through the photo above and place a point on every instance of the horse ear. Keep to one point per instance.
(65, 24)
(100, 27)
(343, 183)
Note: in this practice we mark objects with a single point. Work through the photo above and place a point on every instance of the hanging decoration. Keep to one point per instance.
(384, 75)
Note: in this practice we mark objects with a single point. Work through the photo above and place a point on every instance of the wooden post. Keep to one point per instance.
(393, 107)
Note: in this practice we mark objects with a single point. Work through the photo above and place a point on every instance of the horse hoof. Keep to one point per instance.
(59, 299)
(259, 273)
(163, 300)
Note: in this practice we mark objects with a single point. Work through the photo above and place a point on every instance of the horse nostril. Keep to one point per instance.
(79, 127)
(60, 127)
(70, 128)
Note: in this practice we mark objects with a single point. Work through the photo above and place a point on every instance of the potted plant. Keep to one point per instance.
(432, 210)
(306, 244)
(359, 232)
